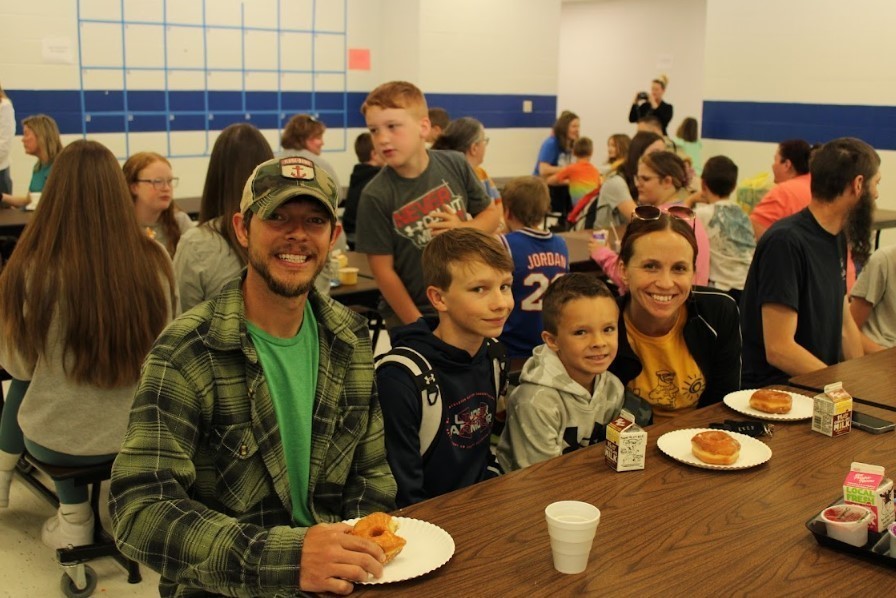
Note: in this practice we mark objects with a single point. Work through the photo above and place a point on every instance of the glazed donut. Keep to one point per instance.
(715, 447)
(771, 401)
(380, 528)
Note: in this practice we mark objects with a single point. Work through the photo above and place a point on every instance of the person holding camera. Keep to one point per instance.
(646, 104)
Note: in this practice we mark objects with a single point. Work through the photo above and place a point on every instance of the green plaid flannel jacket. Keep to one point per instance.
(199, 491)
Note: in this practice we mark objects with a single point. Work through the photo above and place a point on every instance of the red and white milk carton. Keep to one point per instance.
(626, 445)
(832, 411)
(867, 485)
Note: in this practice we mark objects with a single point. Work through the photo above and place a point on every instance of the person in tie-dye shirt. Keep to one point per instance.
(582, 176)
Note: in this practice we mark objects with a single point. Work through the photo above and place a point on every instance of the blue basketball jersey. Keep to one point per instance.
(538, 258)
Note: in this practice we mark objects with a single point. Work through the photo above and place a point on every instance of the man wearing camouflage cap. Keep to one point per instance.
(256, 426)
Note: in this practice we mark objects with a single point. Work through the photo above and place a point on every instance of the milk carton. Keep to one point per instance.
(832, 411)
(866, 485)
(626, 444)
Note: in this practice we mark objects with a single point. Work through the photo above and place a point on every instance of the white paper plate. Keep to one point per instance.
(677, 445)
(428, 548)
(800, 409)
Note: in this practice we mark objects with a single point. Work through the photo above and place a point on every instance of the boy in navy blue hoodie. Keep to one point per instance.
(468, 282)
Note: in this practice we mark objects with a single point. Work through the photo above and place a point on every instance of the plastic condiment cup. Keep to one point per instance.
(348, 275)
(847, 523)
(571, 525)
(891, 531)
(35, 198)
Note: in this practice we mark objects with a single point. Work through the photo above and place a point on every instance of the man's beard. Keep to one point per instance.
(278, 287)
(858, 227)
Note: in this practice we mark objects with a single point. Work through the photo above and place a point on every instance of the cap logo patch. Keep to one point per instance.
(298, 168)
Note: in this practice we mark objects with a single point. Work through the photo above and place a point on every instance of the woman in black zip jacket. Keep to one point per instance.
(679, 345)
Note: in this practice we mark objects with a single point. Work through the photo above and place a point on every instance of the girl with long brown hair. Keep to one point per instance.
(209, 255)
(81, 302)
(152, 186)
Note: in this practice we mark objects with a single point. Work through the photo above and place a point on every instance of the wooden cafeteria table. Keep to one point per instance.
(579, 256)
(359, 261)
(366, 293)
(870, 379)
(12, 221)
(669, 529)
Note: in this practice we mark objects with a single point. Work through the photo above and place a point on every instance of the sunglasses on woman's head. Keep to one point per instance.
(653, 213)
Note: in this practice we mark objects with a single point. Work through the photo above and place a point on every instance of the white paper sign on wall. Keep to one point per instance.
(57, 50)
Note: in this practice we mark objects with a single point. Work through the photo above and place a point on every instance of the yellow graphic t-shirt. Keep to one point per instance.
(670, 379)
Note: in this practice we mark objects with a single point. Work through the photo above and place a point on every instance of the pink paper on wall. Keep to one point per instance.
(359, 59)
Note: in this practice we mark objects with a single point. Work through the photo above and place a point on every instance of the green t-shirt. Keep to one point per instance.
(290, 369)
(39, 178)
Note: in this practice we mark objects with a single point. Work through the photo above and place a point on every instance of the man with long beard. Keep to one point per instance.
(794, 313)
(256, 426)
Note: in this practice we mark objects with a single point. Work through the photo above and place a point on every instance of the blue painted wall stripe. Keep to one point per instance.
(106, 113)
(816, 123)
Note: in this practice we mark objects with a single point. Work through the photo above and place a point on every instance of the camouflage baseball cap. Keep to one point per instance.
(275, 181)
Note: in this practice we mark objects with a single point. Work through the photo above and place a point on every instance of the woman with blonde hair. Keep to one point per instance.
(40, 138)
(81, 302)
(7, 132)
(209, 255)
(152, 188)
(303, 136)
(647, 104)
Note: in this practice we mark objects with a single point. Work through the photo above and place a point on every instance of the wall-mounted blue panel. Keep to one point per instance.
(773, 122)
(146, 101)
(186, 100)
(225, 100)
(188, 122)
(296, 101)
(331, 101)
(222, 121)
(102, 124)
(147, 123)
(104, 101)
(265, 120)
(496, 111)
(35, 101)
(261, 100)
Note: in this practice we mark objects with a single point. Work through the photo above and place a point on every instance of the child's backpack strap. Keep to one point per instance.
(498, 356)
(425, 379)
(427, 385)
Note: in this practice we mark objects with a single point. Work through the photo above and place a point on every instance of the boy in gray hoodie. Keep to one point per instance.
(566, 395)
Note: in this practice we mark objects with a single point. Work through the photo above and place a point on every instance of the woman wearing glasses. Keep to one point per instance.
(467, 135)
(617, 201)
(152, 187)
(662, 181)
(679, 345)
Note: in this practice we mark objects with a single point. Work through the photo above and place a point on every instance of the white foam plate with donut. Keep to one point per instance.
(677, 445)
(740, 401)
(428, 548)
